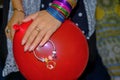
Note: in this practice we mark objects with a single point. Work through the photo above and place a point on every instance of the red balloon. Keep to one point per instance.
(63, 57)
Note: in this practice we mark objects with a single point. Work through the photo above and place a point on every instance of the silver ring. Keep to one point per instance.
(8, 31)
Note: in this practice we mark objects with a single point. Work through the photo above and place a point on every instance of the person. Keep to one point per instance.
(45, 23)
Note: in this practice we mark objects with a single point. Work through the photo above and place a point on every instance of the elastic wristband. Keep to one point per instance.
(55, 14)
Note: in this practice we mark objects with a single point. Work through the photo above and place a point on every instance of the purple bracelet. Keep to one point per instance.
(65, 3)
(62, 5)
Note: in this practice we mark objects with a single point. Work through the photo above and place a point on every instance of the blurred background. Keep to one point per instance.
(1, 19)
(1, 11)
(108, 35)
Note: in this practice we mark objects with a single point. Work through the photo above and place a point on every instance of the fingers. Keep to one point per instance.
(37, 36)
(15, 19)
(29, 31)
(46, 38)
(37, 40)
(12, 34)
(31, 39)
(41, 38)
(39, 32)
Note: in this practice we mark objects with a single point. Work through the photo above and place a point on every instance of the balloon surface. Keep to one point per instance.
(63, 57)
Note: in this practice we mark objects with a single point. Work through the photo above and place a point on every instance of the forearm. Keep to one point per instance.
(17, 4)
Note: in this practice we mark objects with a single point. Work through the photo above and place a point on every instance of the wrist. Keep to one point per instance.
(56, 14)
(18, 10)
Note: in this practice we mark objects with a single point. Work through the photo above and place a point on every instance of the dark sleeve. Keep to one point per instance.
(3, 42)
(79, 17)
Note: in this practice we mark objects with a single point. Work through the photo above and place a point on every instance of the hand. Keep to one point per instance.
(16, 18)
(41, 29)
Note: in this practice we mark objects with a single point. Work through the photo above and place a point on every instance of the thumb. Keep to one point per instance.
(30, 17)
(12, 34)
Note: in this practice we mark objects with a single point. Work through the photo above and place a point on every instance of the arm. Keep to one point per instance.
(16, 18)
(17, 4)
(46, 22)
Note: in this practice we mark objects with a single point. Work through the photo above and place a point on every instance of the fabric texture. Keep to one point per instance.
(108, 35)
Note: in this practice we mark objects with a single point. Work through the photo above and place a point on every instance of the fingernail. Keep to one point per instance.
(25, 48)
(31, 48)
(23, 42)
(41, 44)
